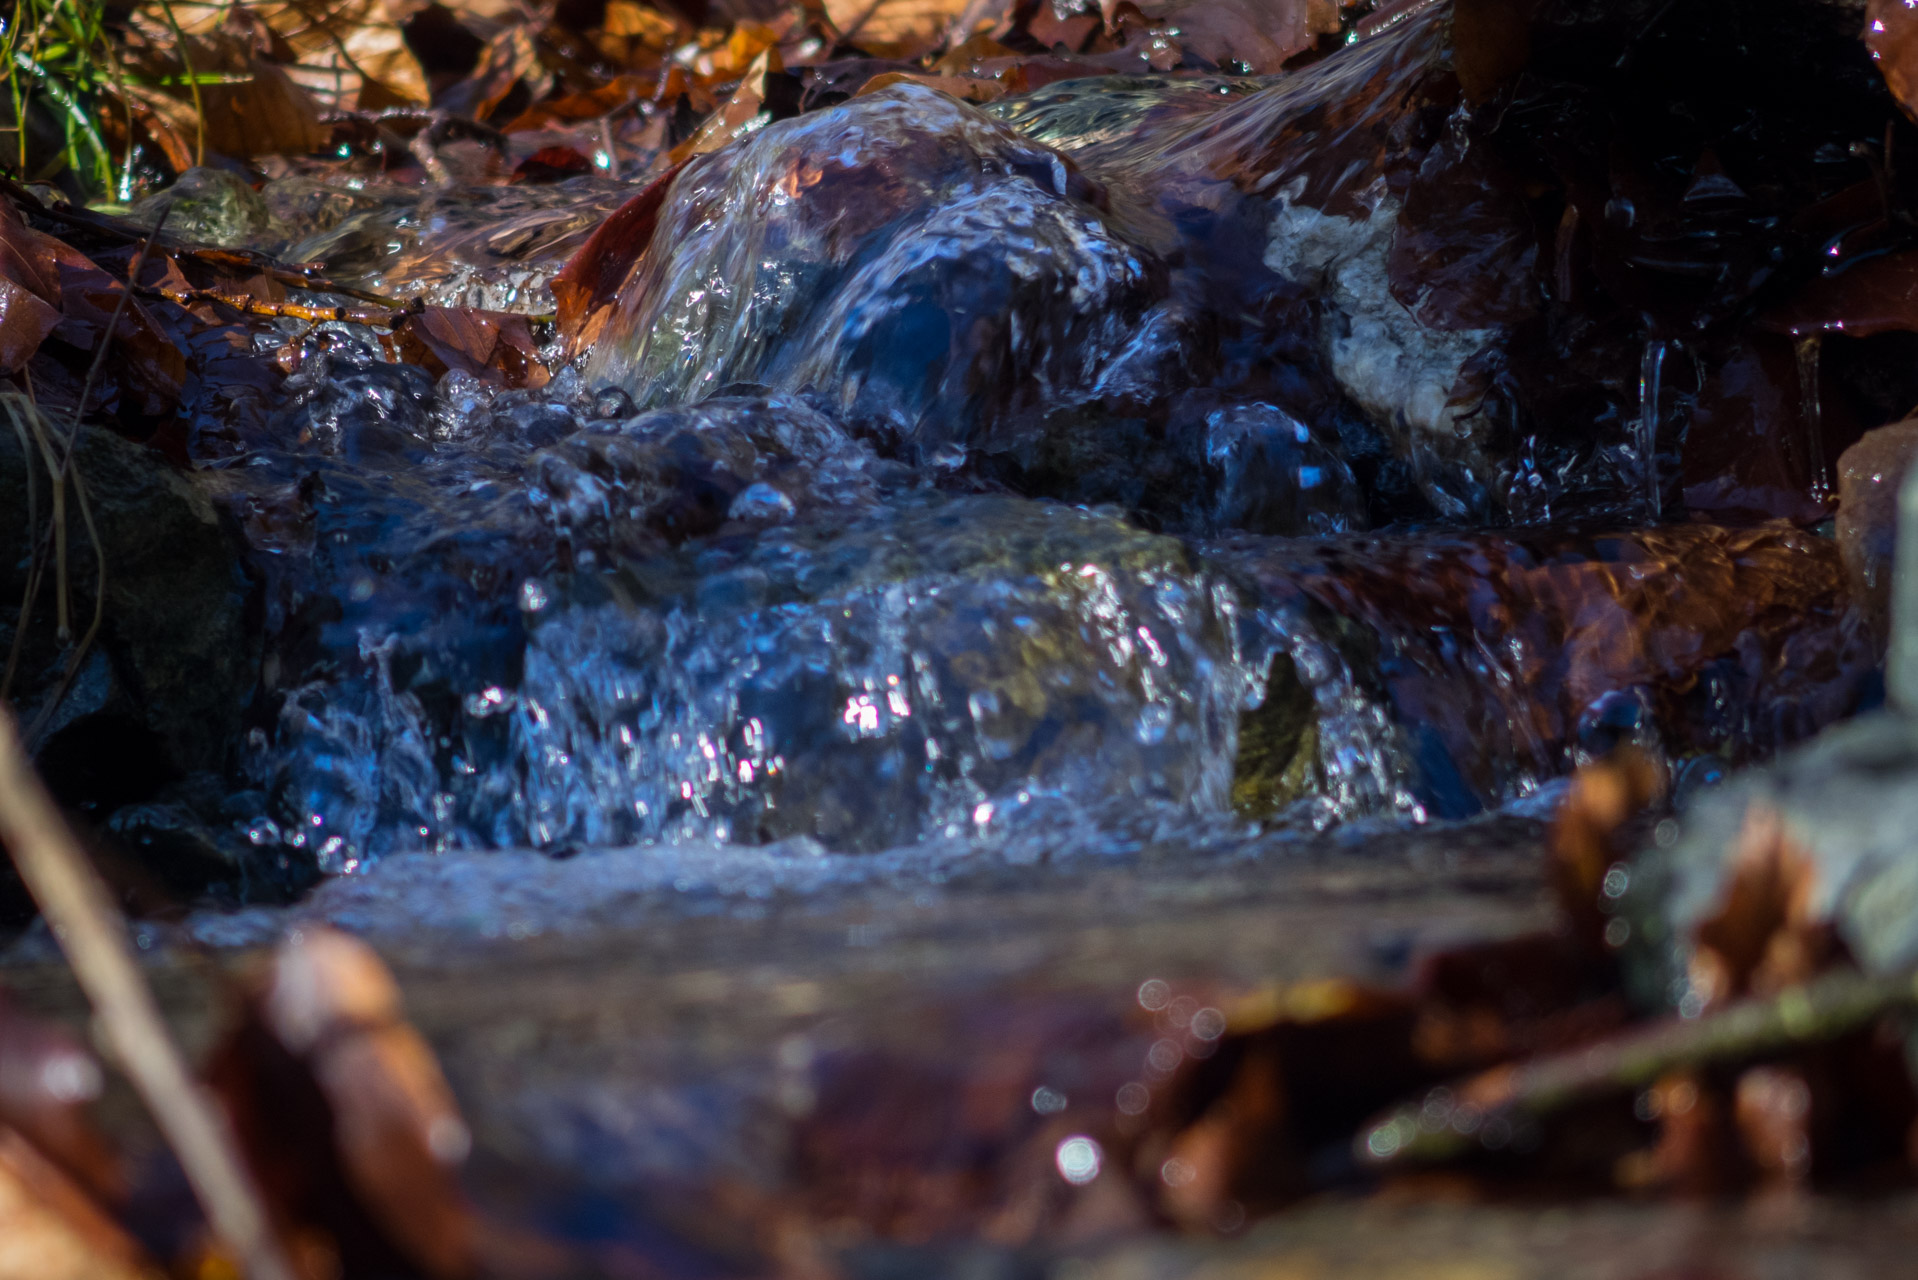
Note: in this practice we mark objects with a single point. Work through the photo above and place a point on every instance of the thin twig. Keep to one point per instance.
(33, 566)
(92, 933)
(308, 276)
(106, 338)
(252, 306)
(1451, 1122)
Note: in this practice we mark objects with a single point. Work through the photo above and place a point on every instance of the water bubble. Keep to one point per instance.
(760, 503)
(1078, 1159)
(1048, 1101)
(1154, 995)
(1133, 1098)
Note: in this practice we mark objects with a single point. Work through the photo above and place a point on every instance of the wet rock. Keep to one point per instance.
(209, 206)
(726, 620)
(162, 691)
(932, 670)
(680, 473)
(1273, 476)
(1869, 476)
(925, 268)
(1441, 673)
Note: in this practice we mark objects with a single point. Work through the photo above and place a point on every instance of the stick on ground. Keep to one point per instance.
(92, 933)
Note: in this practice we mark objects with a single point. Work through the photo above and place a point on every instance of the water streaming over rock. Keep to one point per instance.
(1128, 455)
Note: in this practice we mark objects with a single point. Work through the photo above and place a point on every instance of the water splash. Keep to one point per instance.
(1811, 418)
(1651, 373)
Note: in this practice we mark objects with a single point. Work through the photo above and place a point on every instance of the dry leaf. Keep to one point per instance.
(264, 115)
(732, 119)
(348, 54)
(508, 59)
(894, 28)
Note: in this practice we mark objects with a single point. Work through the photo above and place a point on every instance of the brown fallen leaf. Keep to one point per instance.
(345, 54)
(1765, 934)
(264, 114)
(509, 60)
(87, 298)
(494, 346)
(964, 88)
(1891, 33)
(894, 28)
(735, 116)
(1588, 838)
(586, 287)
(1879, 295)
(1772, 1106)
(551, 164)
(344, 1115)
(1260, 35)
(1696, 1154)
(590, 104)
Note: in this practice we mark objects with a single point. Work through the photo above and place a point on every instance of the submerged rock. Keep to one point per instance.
(1442, 673)
(209, 206)
(925, 268)
(705, 622)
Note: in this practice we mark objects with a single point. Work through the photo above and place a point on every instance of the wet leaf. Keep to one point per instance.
(25, 322)
(587, 287)
(87, 298)
(493, 346)
(964, 88)
(1878, 295)
(1891, 33)
(552, 164)
(1259, 35)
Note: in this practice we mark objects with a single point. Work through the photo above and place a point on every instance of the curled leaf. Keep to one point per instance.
(494, 346)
